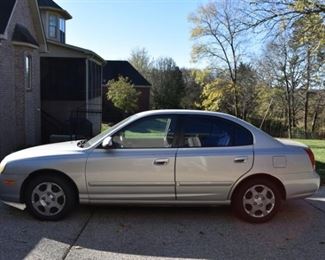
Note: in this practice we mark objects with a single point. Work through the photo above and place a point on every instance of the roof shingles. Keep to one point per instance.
(48, 3)
(21, 34)
(115, 68)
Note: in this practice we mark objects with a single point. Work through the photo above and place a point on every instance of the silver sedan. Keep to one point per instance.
(176, 157)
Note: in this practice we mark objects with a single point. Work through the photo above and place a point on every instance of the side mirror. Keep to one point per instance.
(107, 142)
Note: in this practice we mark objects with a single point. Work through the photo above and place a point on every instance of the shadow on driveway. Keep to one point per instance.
(129, 232)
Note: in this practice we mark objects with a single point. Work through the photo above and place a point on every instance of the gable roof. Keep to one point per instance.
(21, 34)
(6, 8)
(71, 48)
(115, 68)
(51, 5)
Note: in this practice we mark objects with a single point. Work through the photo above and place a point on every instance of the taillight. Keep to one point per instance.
(311, 157)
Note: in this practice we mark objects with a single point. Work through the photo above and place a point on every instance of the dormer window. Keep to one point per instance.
(57, 28)
(53, 18)
(62, 30)
(53, 24)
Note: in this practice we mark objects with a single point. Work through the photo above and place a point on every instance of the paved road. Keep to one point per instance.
(297, 232)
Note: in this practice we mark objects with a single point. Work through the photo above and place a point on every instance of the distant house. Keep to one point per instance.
(22, 41)
(113, 69)
(70, 81)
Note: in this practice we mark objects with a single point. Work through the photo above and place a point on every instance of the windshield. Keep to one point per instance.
(98, 137)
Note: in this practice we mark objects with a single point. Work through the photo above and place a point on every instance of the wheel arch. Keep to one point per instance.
(48, 172)
(275, 180)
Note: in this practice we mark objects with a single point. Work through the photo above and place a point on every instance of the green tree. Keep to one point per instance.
(167, 84)
(215, 95)
(309, 37)
(192, 90)
(247, 90)
(123, 95)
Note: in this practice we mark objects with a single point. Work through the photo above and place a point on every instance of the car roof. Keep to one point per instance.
(182, 111)
(191, 112)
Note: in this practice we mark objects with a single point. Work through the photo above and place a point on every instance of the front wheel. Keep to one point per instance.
(257, 200)
(49, 197)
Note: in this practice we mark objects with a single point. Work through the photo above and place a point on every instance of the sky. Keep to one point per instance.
(113, 28)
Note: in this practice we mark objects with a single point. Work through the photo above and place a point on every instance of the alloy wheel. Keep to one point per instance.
(258, 201)
(48, 198)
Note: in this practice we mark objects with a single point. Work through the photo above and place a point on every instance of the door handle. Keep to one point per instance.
(160, 162)
(240, 159)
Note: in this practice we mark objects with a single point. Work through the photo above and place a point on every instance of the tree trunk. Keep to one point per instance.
(306, 95)
(306, 114)
(315, 116)
(289, 121)
(267, 111)
(289, 108)
(236, 98)
(313, 125)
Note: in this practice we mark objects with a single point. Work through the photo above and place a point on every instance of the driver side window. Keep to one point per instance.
(151, 132)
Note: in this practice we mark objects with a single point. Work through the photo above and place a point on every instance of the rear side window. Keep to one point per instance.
(208, 131)
(242, 136)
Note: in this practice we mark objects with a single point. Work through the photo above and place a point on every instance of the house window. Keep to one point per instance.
(53, 24)
(62, 30)
(28, 72)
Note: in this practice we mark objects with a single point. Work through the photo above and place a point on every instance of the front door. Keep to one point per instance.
(139, 165)
(213, 154)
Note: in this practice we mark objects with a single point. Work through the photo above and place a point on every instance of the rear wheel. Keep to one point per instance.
(49, 197)
(257, 200)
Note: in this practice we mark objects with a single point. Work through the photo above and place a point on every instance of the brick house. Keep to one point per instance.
(47, 87)
(22, 40)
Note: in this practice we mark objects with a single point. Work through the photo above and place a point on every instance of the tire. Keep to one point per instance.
(49, 197)
(256, 200)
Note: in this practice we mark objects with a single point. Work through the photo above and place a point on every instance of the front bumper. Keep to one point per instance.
(10, 186)
(20, 206)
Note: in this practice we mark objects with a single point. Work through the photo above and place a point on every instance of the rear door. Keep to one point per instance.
(213, 154)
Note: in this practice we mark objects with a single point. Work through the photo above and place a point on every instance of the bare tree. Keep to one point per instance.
(270, 14)
(141, 60)
(287, 69)
(217, 35)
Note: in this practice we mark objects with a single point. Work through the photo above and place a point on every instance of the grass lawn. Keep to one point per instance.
(104, 127)
(318, 148)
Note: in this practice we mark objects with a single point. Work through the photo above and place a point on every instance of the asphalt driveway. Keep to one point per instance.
(297, 232)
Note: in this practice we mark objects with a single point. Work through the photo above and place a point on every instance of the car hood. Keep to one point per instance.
(291, 143)
(64, 148)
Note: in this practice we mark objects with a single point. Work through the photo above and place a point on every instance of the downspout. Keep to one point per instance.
(87, 87)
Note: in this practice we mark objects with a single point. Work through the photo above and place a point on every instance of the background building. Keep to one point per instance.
(112, 70)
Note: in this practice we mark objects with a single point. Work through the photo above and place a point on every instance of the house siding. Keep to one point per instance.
(19, 109)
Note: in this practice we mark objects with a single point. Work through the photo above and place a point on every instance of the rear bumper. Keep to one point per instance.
(301, 185)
